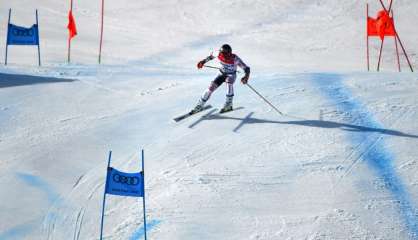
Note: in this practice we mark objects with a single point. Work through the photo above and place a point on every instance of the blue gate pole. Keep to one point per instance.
(143, 197)
(39, 49)
(7, 39)
(104, 196)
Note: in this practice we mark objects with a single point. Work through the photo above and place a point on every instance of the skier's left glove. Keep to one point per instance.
(244, 79)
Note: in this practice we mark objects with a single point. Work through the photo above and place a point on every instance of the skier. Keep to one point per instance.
(228, 74)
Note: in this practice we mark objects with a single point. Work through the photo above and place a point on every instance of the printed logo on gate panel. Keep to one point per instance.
(22, 36)
(23, 32)
(125, 180)
(125, 184)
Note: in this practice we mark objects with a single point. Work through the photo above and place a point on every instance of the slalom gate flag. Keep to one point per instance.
(17, 35)
(381, 26)
(124, 184)
(371, 27)
(71, 25)
(384, 25)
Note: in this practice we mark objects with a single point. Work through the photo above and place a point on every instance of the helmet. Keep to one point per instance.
(225, 49)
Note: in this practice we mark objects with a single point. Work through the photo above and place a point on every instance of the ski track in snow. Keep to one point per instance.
(89, 183)
(371, 148)
(366, 146)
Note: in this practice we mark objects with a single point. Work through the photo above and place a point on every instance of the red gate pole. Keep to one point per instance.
(390, 6)
(380, 53)
(101, 33)
(383, 5)
(396, 45)
(399, 39)
(69, 38)
(367, 36)
(397, 53)
(403, 49)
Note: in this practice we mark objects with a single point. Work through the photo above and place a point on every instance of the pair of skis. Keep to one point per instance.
(191, 113)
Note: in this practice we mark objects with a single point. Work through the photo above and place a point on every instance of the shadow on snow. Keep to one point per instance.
(14, 80)
(307, 123)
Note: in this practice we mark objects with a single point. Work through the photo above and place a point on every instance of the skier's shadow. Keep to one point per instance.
(307, 123)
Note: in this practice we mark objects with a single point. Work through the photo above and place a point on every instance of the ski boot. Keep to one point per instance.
(227, 108)
(228, 104)
(199, 107)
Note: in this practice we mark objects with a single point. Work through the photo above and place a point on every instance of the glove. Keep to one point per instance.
(200, 64)
(244, 79)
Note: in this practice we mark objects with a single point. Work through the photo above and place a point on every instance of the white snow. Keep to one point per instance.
(340, 164)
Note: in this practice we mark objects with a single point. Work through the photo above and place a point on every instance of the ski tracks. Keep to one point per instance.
(63, 214)
(78, 224)
(368, 143)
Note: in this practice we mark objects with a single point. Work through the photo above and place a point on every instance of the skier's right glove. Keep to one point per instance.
(200, 64)
(207, 59)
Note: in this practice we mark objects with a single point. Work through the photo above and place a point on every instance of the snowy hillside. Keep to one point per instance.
(340, 164)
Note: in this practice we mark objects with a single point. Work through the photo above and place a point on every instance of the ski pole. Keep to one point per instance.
(212, 67)
(218, 68)
(265, 100)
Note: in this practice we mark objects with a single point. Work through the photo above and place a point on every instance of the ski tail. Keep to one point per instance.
(191, 113)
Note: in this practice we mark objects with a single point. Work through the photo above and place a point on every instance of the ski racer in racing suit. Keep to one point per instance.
(228, 73)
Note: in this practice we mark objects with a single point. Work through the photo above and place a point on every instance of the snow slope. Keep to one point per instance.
(340, 164)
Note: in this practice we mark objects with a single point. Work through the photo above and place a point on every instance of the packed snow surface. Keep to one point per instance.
(340, 163)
